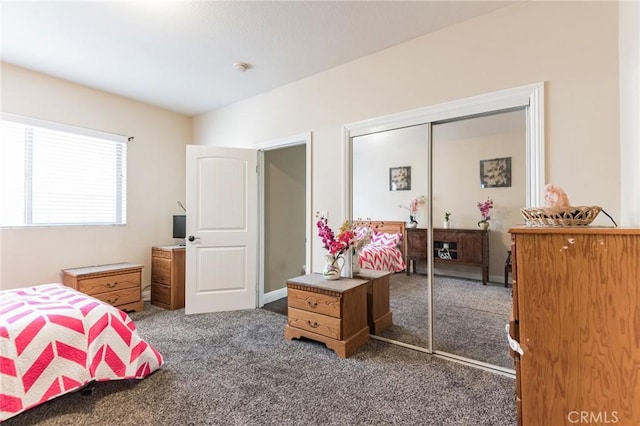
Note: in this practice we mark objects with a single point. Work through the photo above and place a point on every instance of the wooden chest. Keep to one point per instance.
(331, 312)
(167, 276)
(576, 317)
(118, 284)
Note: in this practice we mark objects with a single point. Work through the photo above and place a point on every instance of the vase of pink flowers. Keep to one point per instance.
(485, 210)
(413, 208)
(337, 245)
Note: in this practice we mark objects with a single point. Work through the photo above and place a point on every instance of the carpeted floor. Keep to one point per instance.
(469, 318)
(236, 368)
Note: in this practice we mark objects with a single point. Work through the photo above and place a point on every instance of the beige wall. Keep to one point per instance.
(458, 147)
(156, 170)
(571, 46)
(373, 156)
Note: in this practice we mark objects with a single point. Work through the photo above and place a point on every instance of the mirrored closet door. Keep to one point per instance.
(454, 302)
(376, 197)
(475, 161)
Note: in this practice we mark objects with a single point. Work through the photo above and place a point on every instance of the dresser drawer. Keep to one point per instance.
(160, 294)
(316, 323)
(120, 297)
(109, 283)
(161, 270)
(314, 302)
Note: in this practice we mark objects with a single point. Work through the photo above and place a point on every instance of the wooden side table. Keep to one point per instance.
(331, 312)
(118, 284)
(379, 316)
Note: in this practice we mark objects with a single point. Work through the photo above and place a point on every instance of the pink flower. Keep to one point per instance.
(485, 209)
(340, 243)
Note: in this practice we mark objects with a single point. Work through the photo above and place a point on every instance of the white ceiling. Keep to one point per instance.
(179, 55)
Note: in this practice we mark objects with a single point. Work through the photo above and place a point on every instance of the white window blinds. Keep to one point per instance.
(55, 174)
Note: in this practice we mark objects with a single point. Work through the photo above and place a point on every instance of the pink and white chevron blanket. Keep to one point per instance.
(54, 340)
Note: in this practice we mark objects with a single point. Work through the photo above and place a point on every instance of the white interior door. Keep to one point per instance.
(222, 229)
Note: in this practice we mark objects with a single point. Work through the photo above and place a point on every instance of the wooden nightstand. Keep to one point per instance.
(379, 315)
(331, 312)
(118, 284)
(167, 276)
(416, 247)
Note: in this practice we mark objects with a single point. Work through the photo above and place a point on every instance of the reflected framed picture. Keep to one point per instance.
(400, 178)
(495, 173)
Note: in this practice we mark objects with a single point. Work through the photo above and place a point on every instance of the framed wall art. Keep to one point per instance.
(495, 173)
(400, 178)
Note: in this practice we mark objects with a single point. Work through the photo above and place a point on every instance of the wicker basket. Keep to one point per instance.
(565, 216)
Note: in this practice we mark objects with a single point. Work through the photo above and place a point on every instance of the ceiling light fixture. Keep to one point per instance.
(241, 66)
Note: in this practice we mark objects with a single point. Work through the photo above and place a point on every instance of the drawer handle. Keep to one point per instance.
(313, 303)
(113, 284)
(312, 324)
(113, 300)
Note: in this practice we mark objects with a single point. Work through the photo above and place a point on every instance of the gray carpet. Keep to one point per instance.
(236, 368)
(469, 318)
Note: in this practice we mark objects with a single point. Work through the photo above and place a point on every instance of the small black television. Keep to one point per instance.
(180, 226)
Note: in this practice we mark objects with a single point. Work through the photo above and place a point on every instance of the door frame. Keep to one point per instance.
(287, 142)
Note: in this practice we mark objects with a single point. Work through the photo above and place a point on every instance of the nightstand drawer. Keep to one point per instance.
(95, 286)
(316, 323)
(160, 294)
(314, 302)
(157, 252)
(161, 270)
(120, 297)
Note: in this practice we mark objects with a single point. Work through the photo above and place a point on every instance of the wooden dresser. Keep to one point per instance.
(576, 316)
(331, 312)
(167, 276)
(379, 316)
(468, 247)
(118, 284)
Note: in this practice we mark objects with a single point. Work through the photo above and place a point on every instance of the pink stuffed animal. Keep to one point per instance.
(554, 196)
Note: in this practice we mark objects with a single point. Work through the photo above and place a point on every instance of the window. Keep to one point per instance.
(55, 174)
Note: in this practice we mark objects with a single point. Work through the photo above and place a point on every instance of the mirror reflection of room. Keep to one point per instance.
(478, 177)
(389, 175)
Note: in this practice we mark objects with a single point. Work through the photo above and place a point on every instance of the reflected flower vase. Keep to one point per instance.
(355, 263)
(333, 267)
(484, 225)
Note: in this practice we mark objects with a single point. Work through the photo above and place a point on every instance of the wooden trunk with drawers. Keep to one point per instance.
(331, 312)
(118, 284)
(576, 317)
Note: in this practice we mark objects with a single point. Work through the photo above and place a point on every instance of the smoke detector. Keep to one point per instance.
(241, 66)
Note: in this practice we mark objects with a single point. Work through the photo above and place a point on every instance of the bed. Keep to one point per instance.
(387, 249)
(55, 340)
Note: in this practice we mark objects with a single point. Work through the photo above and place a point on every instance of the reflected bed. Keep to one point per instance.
(387, 249)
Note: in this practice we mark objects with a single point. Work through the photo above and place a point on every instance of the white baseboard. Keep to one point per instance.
(272, 296)
(146, 295)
